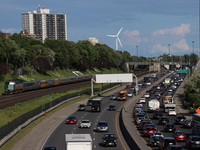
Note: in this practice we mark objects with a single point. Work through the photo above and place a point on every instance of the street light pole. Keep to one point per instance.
(193, 46)
(169, 49)
(137, 50)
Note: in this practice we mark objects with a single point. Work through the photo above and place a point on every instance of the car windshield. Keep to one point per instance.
(180, 133)
(103, 124)
(172, 142)
(85, 121)
(196, 139)
(109, 136)
(71, 118)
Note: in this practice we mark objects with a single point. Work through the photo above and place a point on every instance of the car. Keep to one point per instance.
(89, 102)
(132, 88)
(111, 107)
(71, 120)
(163, 120)
(142, 100)
(102, 126)
(149, 125)
(128, 86)
(147, 95)
(50, 148)
(193, 141)
(140, 84)
(109, 139)
(169, 127)
(187, 123)
(85, 123)
(179, 119)
(139, 104)
(154, 140)
(113, 97)
(172, 112)
(149, 131)
(158, 134)
(148, 83)
(130, 94)
(82, 107)
(179, 135)
(174, 147)
(138, 120)
(165, 141)
(144, 85)
(173, 87)
(143, 122)
(157, 114)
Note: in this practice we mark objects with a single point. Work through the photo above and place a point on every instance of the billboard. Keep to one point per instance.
(114, 78)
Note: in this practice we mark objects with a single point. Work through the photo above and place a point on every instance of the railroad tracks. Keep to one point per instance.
(11, 100)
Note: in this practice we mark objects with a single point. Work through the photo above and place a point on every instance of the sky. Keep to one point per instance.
(150, 27)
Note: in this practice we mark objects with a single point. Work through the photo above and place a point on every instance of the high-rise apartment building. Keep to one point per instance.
(44, 24)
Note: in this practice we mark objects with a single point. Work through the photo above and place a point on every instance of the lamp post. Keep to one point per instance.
(137, 51)
(169, 49)
(193, 46)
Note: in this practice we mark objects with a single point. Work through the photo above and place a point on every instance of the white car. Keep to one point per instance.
(172, 112)
(142, 100)
(130, 94)
(85, 124)
(146, 95)
(148, 83)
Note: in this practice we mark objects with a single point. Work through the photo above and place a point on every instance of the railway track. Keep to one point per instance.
(11, 100)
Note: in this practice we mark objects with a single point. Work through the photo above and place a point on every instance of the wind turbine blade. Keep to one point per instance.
(119, 41)
(119, 31)
(111, 35)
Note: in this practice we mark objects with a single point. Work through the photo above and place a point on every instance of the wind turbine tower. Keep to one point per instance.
(117, 38)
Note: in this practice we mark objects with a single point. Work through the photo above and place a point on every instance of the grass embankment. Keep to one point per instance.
(10, 113)
(13, 112)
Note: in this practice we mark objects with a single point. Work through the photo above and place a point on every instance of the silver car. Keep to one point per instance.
(102, 126)
(85, 124)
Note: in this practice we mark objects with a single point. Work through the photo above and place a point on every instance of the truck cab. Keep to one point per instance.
(96, 105)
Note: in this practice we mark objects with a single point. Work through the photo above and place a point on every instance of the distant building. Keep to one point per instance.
(44, 24)
(94, 40)
(27, 34)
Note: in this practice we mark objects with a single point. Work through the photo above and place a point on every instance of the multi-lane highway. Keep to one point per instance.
(57, 138)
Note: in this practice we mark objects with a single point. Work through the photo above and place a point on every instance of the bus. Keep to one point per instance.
(196, 124)
(122, 95)
(167, 81)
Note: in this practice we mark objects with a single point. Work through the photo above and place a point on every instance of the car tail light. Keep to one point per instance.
(191, 141)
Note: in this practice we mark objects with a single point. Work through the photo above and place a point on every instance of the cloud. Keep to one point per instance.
(182, 30)
(182, 45)
(7, 30)
(132, 37)
(158, 48)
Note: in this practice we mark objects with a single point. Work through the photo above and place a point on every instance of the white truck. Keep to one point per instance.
(78, 141)
(168, 106)
(154, 105)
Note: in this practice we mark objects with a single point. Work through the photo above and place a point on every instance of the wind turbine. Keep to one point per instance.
(117, 38)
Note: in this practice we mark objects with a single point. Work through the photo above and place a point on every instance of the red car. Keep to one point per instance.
(128, 86)
(149, 131)
(71, 120)
(179, 135)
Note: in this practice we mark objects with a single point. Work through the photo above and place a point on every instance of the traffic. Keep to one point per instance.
(150, 119)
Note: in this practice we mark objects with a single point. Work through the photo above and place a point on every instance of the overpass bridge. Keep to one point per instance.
(156, 66)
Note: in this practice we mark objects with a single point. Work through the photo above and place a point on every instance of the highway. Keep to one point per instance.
(57, 137)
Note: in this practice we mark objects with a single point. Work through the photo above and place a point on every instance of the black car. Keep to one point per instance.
(111, 107)
(50, 148)
(163, 120)
(81, 107)
(193, 141)
(187, 124)
(179, 119)
(170, 127)
(109, 139)
(154, 140)
(174, 147)
(157, 114)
